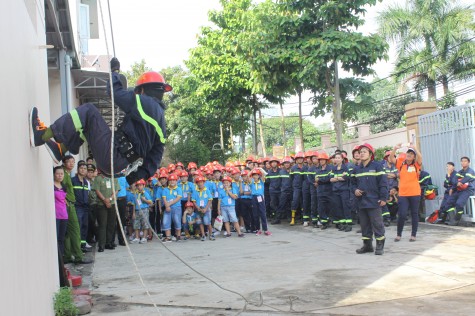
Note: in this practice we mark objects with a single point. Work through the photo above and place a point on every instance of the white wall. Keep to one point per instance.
(28, 268)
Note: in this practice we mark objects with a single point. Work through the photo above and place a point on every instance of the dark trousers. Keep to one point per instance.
(274, 203)
(83, 219)
(259, 212)
(457, 202)
(267, 201)
(385, 212)
(246, 213)
(92, 235)
(306, 202)
(61, 226)
(296, 204)
(354, 207)
(97, 134)
(106, 218)
(371, 221)
(284, 205)
(324, 206)
(314, 205)
(341, 205)
(122, 205)
(158, 218)
(408, 203)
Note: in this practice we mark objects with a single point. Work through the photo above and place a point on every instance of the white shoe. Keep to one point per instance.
(243, 229)
(225, 233)
(135, 240)
(131, 238)
(143, 241)
(88, 246)
(305, 224)
(173, 238)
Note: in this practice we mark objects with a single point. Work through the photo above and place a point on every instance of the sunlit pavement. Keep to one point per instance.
(296, 270)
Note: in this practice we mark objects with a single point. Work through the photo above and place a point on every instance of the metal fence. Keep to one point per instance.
(446, 136)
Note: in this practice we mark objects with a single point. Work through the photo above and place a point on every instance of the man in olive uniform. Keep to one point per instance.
(105, 211)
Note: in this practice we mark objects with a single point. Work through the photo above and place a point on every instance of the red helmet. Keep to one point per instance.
(370, 148)
(179, 164)
(152, 77)
(463, 186)
(183, 174)
(355, 148)
(273, 158)
(250, 158)
(323, 156)
(141, 181)
(227, 179)
(429, 194)
(192, 165)
(387, 153)
(299, 155)
(200, 179)
(256, 171)
(217, 168)
(163, 175)
(308, 154)
(162, 170)
(229, 164)
(315, 154)
(235, 171)
(208, 171)
(189, 204)
(260, 161)
(172, 177)
(244, 172)
(287, 159)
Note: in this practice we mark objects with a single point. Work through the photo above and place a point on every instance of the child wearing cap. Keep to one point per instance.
(162, 183)
(258, 203)
(191, 221)
(142, 201)
(202, 199)
(226, 206)
(130, 198)
(171, 196)
(245, 205)
(185, 188)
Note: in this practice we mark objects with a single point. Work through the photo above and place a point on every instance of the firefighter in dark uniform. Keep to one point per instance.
(324, 188)
(274, 180)
(370, 185)
(392, 174)
(311, 172)
(306, 188)
(449, 183)
(297, 173)
(461, 192)
(285, 191)
(140, 139)
(341, 193)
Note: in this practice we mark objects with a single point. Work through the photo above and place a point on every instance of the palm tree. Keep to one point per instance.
(434, 40)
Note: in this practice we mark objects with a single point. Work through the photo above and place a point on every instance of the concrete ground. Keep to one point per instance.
(296, 270)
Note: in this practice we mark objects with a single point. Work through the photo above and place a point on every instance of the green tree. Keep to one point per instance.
(189, 150)
(434, 41)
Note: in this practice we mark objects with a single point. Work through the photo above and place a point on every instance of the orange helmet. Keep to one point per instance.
(287, 159)
(235, 171)
(183, 174)
(370, 148)
(260, 161)
(299, 155)
(250, 158)
(141, 181)
(227, 179)
(256, 171)
(323, 156)
(309, 153)
(200, 179)
(189, 204)
(229, 164)
(274, 159)
(152, 77)
(192, 165)
(172, 177)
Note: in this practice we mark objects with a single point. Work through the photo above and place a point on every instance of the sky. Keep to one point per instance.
(162, 32)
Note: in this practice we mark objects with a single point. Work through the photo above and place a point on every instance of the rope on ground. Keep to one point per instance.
(112, 171)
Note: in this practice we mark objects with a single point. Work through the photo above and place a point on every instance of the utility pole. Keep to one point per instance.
(337, 109)
(254, 125)
(263, 144)
(300, 118)
(284, 143)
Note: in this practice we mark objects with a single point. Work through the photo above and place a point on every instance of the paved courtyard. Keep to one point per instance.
(296, 270)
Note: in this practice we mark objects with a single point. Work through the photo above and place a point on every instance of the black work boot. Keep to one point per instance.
(348, 228)
(379, 247)
(367, 247)
(342, 227)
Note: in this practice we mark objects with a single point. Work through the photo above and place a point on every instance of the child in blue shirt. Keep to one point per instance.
(202, 199)
(130, 210)
(185, 188)
(245, 204)
(171, 196)
(258, 203)
(191, 221)
(162, 183)
(142, 201)
(226, 206)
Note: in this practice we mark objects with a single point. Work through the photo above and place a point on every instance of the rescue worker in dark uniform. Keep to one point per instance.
(140, 139)
(425, 181)
(450, 181)
(297, 173)
(324, 189)
(392, 174)
(285, 191)
(461, 192)
(311, 172)
(306, 188)
(341, 193)
(370, 185)
(274, 180)
(351, 165)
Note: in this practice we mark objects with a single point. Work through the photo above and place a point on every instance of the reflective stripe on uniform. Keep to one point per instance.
(369, 174)
(77, 123)
(423, 179)
(150, 120)
(81, 188)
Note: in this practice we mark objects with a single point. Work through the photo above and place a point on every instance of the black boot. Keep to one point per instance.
(367, 247)
(342, 227)
(379, 247)
(453, 218)
(348, 228)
